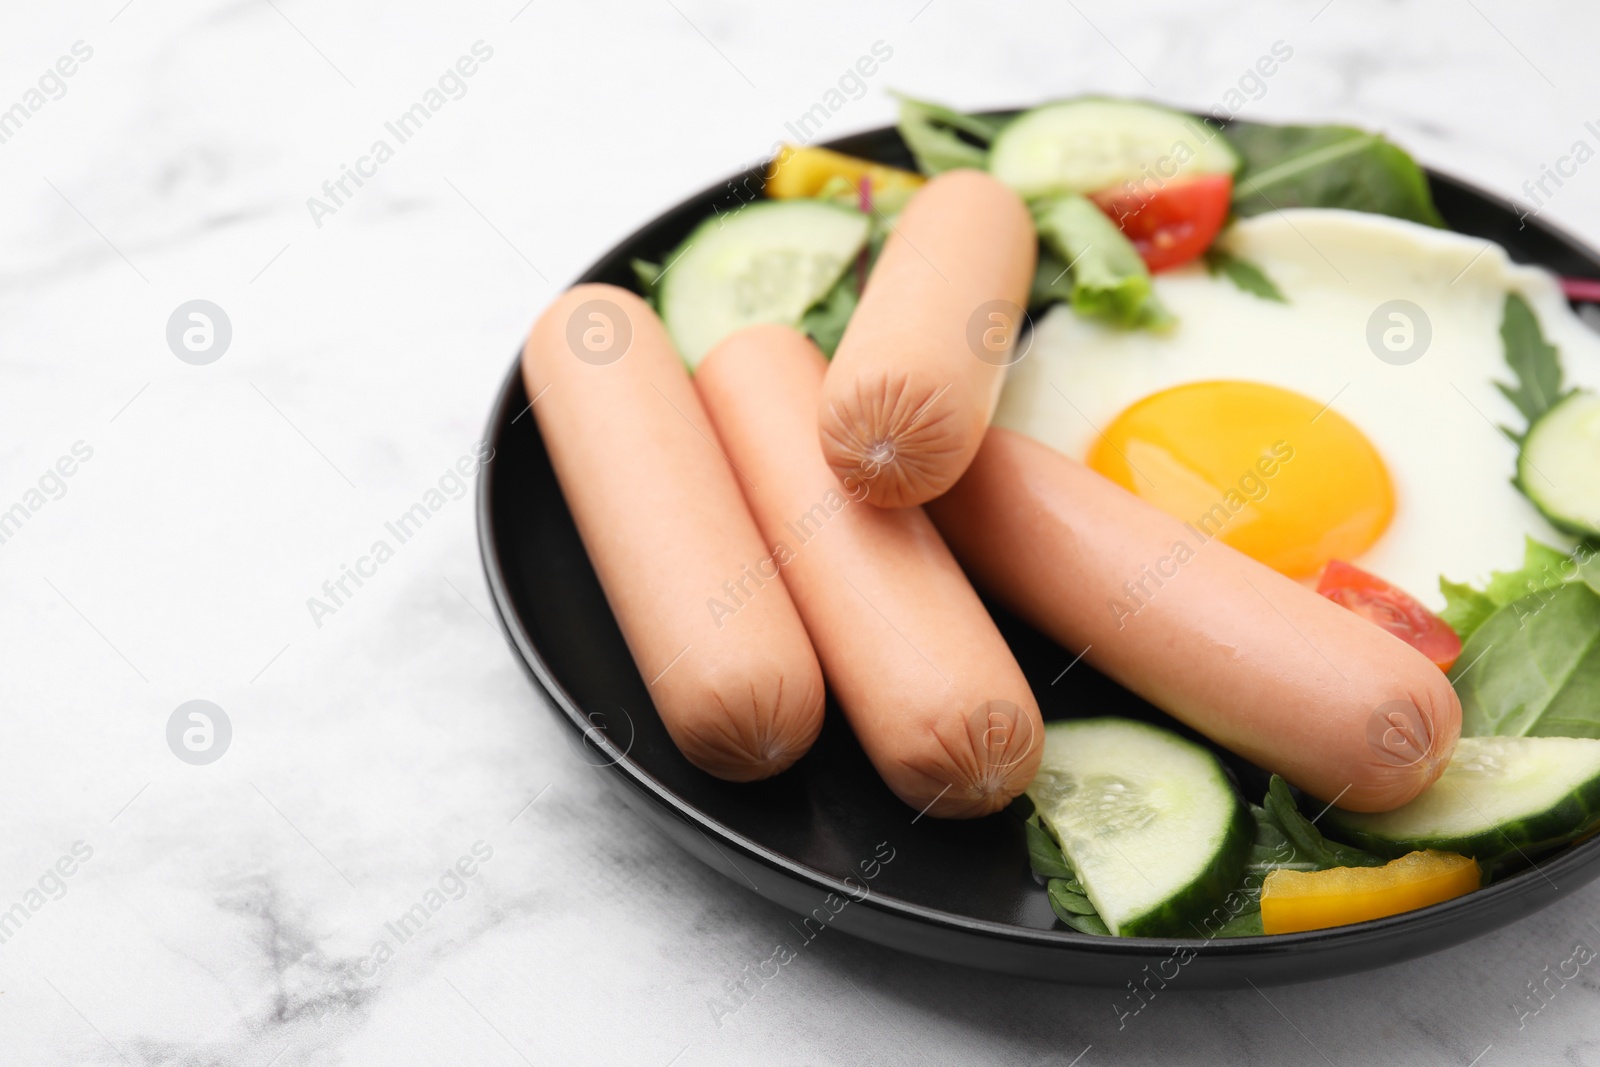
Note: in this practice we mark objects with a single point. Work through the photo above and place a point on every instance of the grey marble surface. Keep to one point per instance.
(229, 913)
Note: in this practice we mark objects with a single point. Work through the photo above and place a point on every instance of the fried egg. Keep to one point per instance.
(1359, 420)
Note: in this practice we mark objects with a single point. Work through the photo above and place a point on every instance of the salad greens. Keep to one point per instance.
(1543, 570)
(942, 139)
(825, 320)
(1282, 166)
(1327, 166)
(1535, 361)
(1067, 898)
(1108, 279)
(1242, 273)
(1530, 656)
(1284, 838)
(1303, 834)
(1532, 668)
(1051, 284)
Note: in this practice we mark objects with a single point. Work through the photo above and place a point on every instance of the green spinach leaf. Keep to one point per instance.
(1242, 273)
(1327, 166)
(1532, 669)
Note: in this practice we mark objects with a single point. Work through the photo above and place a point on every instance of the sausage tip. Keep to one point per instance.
(753, 726)
(978, 771)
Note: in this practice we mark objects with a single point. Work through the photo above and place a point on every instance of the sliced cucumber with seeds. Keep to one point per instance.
(1149, 822)
(1501, 798)
(766, 262)
(1084, 146)
(1559, 468)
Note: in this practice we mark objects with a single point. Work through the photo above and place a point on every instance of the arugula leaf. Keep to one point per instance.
(826, 320)
(1044, 855)
(1067, 897)
(1537, 363)
(1271, 849)
(1242, 273)
(1245, 924)
(1533, 668)
(1063, 897)
(1070, 909)
(942, 139)
(1109, 280)
(1308, 840)
(1327, 166)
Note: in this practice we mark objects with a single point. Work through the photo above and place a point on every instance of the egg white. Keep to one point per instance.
(1434, 421)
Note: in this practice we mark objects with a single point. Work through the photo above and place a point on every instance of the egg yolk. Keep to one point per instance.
(1268, 471)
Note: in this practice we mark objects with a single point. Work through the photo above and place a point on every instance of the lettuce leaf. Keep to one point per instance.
(1465, 609)
(1543, 568)
(1108, 279)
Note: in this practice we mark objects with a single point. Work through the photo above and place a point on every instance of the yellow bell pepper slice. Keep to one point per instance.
(1314, 900)
(802, 172)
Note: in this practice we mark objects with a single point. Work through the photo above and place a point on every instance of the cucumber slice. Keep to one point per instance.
(1149, 822)
(1499, 797)
(1559, 467)
(1084, 146)
(766, 262)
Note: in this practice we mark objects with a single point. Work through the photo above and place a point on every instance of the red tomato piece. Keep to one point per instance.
(1174, 223)
(1393, 609)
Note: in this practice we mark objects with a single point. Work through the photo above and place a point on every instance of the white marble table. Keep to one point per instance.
(229, 913)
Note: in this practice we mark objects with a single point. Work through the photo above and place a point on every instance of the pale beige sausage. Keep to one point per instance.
(919, 370)
(668, 532)
(930, 687)
(1257, 662)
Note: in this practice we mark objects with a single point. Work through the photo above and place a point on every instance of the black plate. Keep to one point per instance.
(957, 891)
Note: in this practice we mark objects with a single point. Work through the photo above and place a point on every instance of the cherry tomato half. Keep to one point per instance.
(1174, 223)
(1375, 599)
